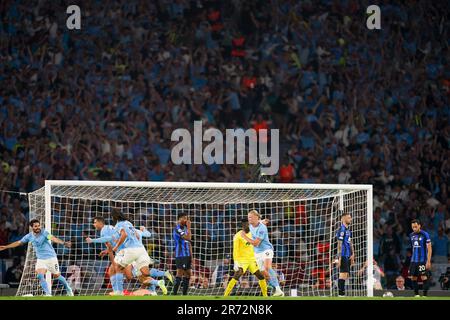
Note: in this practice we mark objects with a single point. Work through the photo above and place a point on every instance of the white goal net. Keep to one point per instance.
(304, 219)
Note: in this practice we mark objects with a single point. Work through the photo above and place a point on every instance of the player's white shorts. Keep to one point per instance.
(50, 265)
(260, 257)
(138, 256)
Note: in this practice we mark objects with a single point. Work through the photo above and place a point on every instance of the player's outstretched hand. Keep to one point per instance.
(103, 253)
(67, 244)
(88, 240)
(2, 248)
(265, 221)
(142, 228)
(352, 259)
(428, 265)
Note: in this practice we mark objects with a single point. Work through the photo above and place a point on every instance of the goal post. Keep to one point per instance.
(304, 219)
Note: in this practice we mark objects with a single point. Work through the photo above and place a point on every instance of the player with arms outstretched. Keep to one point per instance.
(263, 249)
(421, 257)
(346, 256)
(244, 259)
(45, 253)
(183, 252)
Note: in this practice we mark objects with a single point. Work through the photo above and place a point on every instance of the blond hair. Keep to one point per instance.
(254, 212)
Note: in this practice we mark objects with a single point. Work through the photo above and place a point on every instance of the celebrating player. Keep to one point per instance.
(244, 258)
(421, 257)
(130, 251)
(45, 253)
(183, 252)
(263, 249)
(346, 256)
(107, 232)
(131, 270)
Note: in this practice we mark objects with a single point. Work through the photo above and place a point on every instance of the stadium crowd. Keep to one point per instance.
(353, 105)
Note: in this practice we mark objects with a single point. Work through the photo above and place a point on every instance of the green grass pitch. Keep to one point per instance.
(233, 298)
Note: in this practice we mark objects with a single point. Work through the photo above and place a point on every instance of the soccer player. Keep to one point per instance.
(244, 258)
(132, 271)
(133, 252)
(183, 253)
(45, 253)
(109, 236)
(421, 257)
(263, 249)
(346, 256)
(130, 251)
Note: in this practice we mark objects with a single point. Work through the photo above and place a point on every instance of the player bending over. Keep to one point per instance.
(134, 250)
(45, 253)
(130, 250)
(421, 257)
(346, 256)
(244, 258)
(132, 272)
(183, 253)
(263, 249)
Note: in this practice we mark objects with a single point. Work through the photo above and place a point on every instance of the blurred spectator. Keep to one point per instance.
(389, 242)
(74, 279)
(440, 247)
(351, 106)
(287, 173)
(222, 269)
(399, 284)
(378, 275)
(392, 266)
(14, 273)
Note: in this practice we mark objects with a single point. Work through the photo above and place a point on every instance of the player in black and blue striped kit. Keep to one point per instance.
(421, 256)
(183, 253)
(346, 257)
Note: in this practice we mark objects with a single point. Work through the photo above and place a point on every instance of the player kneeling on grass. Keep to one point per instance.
(133, 252)
(45, 253)
(244, 259)
(263, 249)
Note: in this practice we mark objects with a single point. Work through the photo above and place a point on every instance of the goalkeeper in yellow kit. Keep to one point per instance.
(244, 259)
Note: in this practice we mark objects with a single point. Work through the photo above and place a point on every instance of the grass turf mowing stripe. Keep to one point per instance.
(193, 298)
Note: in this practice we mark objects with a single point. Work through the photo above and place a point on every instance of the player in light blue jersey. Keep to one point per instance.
(109, 236)
(45, 254)
(263, 249)
(131, 271)
(133, 251)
